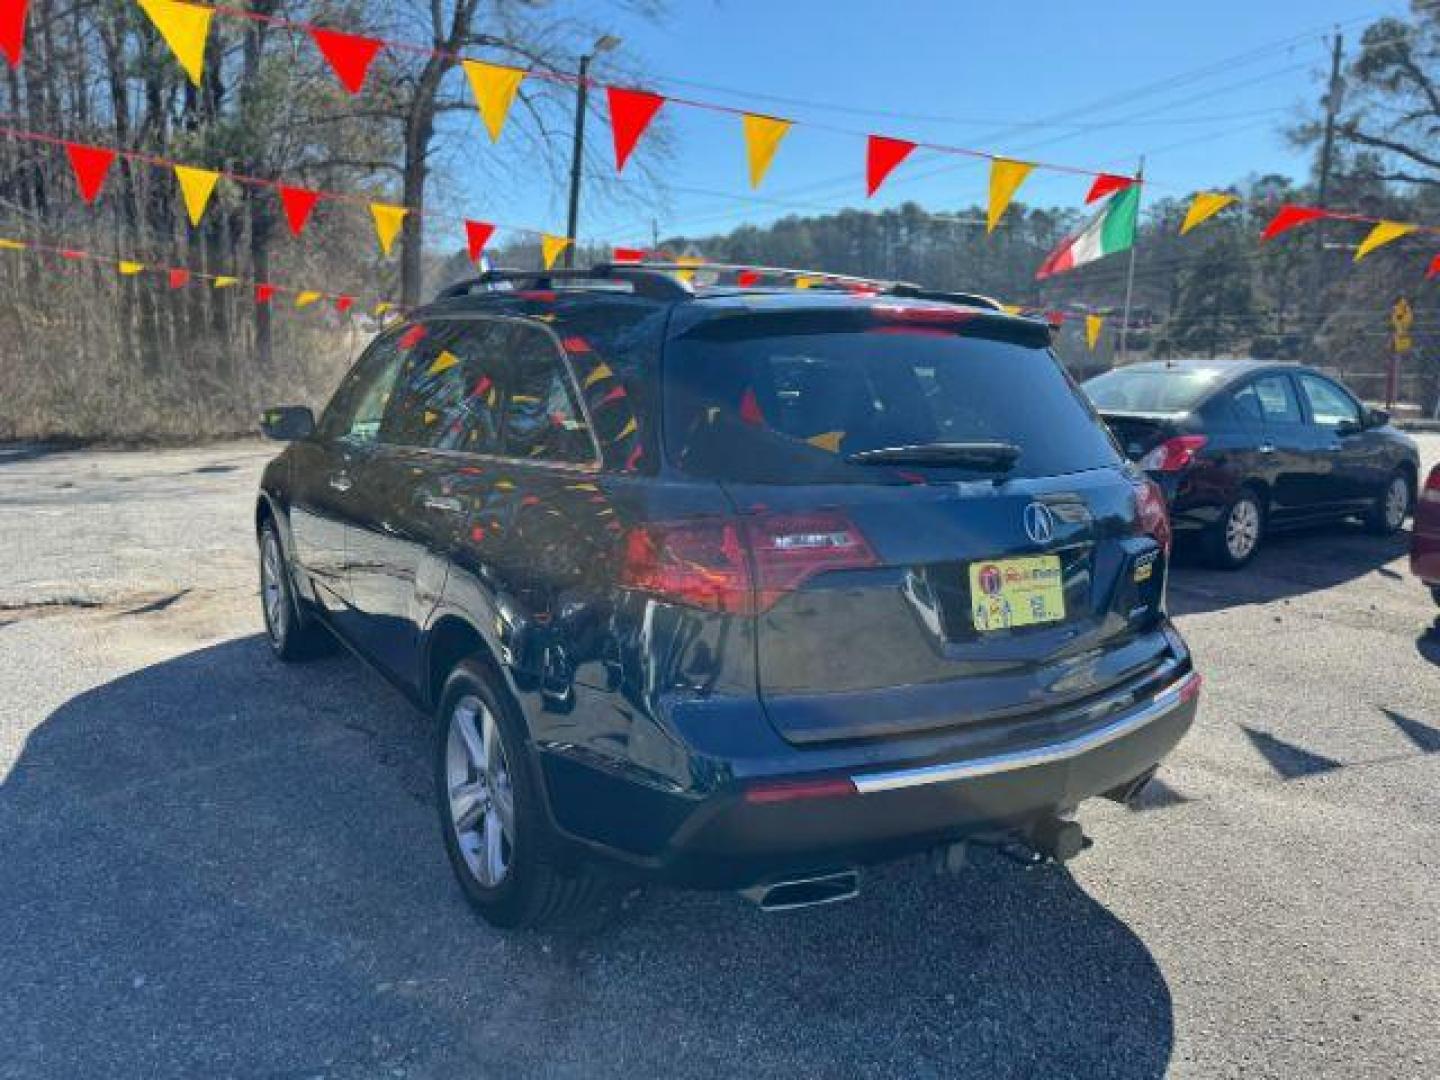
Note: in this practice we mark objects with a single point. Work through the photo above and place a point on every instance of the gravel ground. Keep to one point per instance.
(214, 865)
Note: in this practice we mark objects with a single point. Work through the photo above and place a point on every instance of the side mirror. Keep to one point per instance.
(1376, 418)
(1349, 427)
(287, 423)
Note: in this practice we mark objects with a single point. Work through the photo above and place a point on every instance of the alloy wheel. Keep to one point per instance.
(1242, 529)
(271, 590)
(1397, 501)
(480, 797)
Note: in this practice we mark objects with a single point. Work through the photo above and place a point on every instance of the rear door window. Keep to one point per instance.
(450, 387)
(543, 419)
(787, 398)
(1274, 398)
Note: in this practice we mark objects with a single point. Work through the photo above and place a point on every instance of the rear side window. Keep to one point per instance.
(542, 418)
(788, 399)
(1270, 399)
(450, 387)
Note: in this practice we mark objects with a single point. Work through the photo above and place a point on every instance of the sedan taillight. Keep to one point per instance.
(1173, 454)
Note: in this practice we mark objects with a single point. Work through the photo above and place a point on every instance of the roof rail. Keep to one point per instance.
(643, 282)
(669, 281)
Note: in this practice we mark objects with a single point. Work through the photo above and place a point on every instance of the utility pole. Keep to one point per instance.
(1334, 96)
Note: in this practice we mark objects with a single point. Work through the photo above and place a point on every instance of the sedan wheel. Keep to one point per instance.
(482, 803)
(1397, 503)
(1242, 529)
(272, 589)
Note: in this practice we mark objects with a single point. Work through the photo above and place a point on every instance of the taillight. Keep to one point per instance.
(1431, 493)
(790, 549)
(740, 565)
(699, 564)
(1173, 454)
(1152, 517)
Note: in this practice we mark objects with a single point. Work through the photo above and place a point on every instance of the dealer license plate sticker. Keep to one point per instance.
(1008, 593)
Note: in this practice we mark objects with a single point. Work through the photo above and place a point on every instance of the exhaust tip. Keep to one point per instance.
(794, 893)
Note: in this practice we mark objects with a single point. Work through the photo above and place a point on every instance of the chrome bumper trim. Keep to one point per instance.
(1164, 703)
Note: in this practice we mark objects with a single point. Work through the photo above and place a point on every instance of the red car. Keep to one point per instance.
(1425, 540)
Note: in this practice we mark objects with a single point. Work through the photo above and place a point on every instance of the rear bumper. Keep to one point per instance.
(751, 831)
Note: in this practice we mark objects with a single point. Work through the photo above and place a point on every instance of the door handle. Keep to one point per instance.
(448, 504)
(1267, 447)
(341, 482)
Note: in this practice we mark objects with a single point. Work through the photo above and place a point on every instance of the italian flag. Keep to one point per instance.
(1111, 230)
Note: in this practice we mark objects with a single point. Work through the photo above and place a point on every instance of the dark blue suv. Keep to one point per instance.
(734, 583)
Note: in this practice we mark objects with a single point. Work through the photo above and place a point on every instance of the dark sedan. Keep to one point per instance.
(1242, 447)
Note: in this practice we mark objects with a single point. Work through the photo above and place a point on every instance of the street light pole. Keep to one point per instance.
(577, 152)
(577, 155)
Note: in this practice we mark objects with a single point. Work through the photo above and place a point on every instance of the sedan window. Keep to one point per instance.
(1275, 397)
(1329, 405)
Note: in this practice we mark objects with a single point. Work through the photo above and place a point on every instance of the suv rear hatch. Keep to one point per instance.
(939, 530)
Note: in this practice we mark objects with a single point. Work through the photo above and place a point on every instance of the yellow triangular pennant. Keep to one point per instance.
(1093, 325)
(602, 371)
(1381, 234)
(762, 138)
(551, 247)
(128, 268)
(11, 245)
(1205, 206)
(688, 276)
(224, 281)
(1006, 176)
(444, 362)
(388, 220)
(383, 307)
(1011, 309)
(306, 298)
(196, 185)
(185, 28)
(494, 88)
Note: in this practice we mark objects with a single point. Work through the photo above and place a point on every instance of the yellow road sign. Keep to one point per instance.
(1401, 316)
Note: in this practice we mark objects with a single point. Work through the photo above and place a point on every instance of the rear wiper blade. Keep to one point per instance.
(988, 454)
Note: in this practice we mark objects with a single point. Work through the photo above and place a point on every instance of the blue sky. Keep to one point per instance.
(1202, 88)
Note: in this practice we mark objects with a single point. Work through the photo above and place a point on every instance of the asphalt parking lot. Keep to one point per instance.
(211, 864)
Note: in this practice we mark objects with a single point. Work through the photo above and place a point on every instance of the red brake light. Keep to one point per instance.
(1431, 493)
(708, 563)
(1152, 517)
(1173, 454)
(790, 549)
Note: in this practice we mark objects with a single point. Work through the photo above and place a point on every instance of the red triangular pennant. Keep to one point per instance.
(1434, 270)
(630, 114)
(90, 163)
(344, 303)
(264, 293)
(1108, 184)
(179, 278)
(477, 235)
(350, 55)
(298, 203)
(628, 255)
(12, 29)
(882, 154)
(746, 278)
(1288, 217)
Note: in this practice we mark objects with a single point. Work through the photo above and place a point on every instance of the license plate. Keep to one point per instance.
(1006, 593)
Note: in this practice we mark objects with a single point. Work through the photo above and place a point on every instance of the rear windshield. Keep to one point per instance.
(766, 399)
(1129, 390)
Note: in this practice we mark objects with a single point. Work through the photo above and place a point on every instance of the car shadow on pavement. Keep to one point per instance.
(1290, 564)
(224, 865)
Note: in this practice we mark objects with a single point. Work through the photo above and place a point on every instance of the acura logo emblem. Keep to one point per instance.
(1039, 523)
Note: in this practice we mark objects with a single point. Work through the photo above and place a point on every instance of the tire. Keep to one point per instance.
(293, 633)
(1392, 505)
(1235, 538)
(516, 875)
